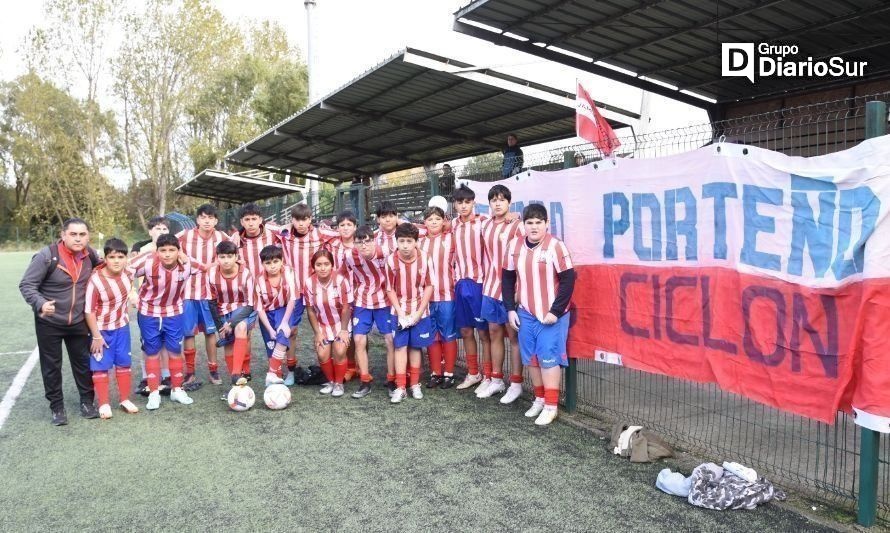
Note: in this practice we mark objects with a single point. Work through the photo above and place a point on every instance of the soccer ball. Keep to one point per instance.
(241, 398)
(276, 396)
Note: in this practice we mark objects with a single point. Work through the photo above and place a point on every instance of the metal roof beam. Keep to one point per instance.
(543, 11)
(301, 161)
(614, 18)
(340, 146)
(281, 170)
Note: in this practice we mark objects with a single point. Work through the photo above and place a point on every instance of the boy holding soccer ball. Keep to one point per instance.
(232, 296)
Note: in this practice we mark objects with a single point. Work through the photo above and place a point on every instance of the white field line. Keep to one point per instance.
(17, 385)
(15, 353)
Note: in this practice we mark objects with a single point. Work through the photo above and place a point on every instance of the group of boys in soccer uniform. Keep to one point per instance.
(422, 287)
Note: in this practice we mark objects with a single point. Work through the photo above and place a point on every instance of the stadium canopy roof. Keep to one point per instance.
(414, 109)
(238, 188)
(673, 47)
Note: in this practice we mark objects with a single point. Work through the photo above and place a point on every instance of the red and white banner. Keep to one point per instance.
(764, 273)
(590, 125)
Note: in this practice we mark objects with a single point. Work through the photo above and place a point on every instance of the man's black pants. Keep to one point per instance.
(49, 344)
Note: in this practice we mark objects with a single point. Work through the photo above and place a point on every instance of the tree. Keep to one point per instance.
(482, 165)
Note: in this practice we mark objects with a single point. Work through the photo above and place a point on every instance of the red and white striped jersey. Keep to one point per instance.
(388, 242)
(440, 250)
(202, 250)
(469, 253)
(328, 300)
(107, 298)
(536, 269)
(495, 238)
(161, 292)
(276, 296)
(340, 252)
(299, 249)
(234, 292)
(368, 278)
(249, 249)
(408, 280)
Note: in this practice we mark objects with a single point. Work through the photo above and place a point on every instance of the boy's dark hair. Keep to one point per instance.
(500, 190)
(226, 248)
(301, 211)
(74, 220)
(364, 232)
(463, 193)
(115, 245)
(167, 239)
(158, 220)
(387, 208)
(343, 216)
(433, 210)
(324, 252)
(407, 230)
(207, 209)
(271, 252)
(249, 209)
(534, 211)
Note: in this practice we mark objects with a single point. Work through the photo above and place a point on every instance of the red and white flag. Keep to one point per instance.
(591, 126)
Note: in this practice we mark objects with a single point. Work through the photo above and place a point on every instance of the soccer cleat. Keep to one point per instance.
(337, 391)
(416, 392)
(273, 379)
(496, 386)
(180, 396)
(129, 407)
(327, 388)
(398, 395)
(469, 381)
(536, 408)
(154, 401)
(104, 411)
(390, 387)
(290, 379)
(164, 389)
(142, 389)
(191, 383)
(60, 418)
(513, 391)
(241, 381)
(482, 386)
(363, 390)
(88, 410)
(548, 414)
(447, 382)
(247, 376)
(434, 381)
(214, 377)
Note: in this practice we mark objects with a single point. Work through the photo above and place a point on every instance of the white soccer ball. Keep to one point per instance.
(440, 202)
(241, 398)
(276, 396)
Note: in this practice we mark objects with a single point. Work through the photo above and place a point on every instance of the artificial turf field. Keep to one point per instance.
(447, 462)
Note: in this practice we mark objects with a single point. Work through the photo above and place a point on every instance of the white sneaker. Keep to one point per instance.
(290, 379)
(496, 386)
(129, 407)
(416, 392)
(482, 386)
(104, 411)
(154, 400)
(469, 381)
(180, 396)
(536, 408)
(548, 414)
(337, 391)
(327, 388)
(273, 379)
(513, 391)
(398, 395)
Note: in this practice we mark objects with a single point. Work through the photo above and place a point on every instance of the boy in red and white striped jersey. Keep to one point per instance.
(329, 297)
(366, 266)
(497, 232)
(105, 311)
(341, 246)
(538, 282)
(439, 247)
(409, 291)
(232, 303)
(165, 273)
(279, 309)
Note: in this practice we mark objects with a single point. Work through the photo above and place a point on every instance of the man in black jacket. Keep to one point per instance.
(54, 285)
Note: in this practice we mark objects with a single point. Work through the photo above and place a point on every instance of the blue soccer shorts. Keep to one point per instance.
(443, 319)
(117, 351)
(196, 317)
(275, 317)
(493, 311)
(250, 322)
(468, 305)
(420, 335)
(363, 319)
(160, 333)
(543, 345)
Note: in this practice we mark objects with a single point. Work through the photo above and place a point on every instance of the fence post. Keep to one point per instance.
(568, 161)
(875, 126)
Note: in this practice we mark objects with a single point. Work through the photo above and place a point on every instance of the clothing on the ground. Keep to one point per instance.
(714, 488)
(673, 483)
(643, 446)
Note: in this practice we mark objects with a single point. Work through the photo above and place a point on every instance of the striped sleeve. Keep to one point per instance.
(563, 257)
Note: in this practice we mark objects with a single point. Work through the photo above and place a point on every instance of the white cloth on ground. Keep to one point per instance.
(674, 483)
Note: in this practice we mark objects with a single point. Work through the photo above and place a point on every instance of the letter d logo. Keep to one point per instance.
(737, 59)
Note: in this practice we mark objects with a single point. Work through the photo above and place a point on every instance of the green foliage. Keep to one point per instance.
(482, 165)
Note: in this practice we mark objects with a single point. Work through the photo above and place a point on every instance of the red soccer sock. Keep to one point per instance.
(472, 361)
(189, 361)
(435, 354)
(401, 380)
(230, 364)
(239, 355)
(551, 397)
(486, 369)
(292, 363)
(275, 366)
(450, 356)
(414, 375)
(539, 392)
(328, 368)
(497, 375)
(516, 378)
(340, 372)
(124, 377)
(390, 377)
(366, 378)
(212, 367)
(176, 366)
(153, 372)
(245, 366)
(100, 385)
